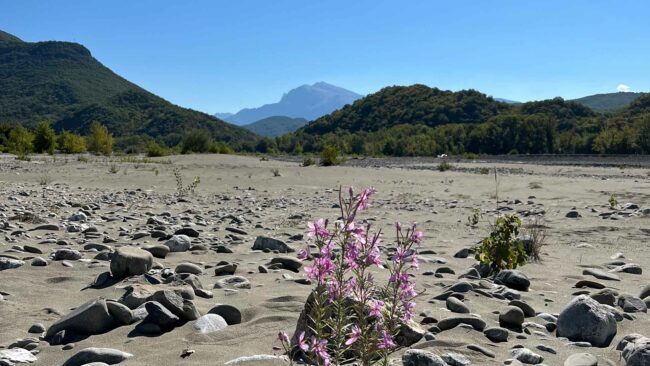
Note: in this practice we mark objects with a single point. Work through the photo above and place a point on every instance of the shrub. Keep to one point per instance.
(183, 190)
(198, 141)
(501, 249)
(534, 239)
(329, 156)
(309, 161)
(100, 141)
(44, 139)
(349, 315)
(475, 217)
(153, 149)
(276, 172)
(70, 143)
(113, 168)
(470, 156)
(484, 171)
(21, 142)
(221, 148)
(444, 166)
(613, 202)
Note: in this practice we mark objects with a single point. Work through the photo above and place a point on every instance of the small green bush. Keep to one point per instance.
(153, 149)
(308, 161)
(197, 141)
(470, 156)
(100, 141)
(613, 202)
(21, 142)
(329, 156)
(44, 139)
(484, 171)
(444, 166)
(501, 249)
(70, 143)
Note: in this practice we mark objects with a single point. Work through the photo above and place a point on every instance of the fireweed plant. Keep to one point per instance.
(351, 316)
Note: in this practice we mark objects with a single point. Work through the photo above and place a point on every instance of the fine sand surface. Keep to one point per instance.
(245, 188)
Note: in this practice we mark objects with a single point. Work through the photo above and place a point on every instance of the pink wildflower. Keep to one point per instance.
(283, 337)
(375, 308)
(301, 342)
(319, 347)
(355, 333)
(386, 341)
(317, 228)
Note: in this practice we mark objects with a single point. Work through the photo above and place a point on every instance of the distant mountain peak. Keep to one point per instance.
(306, 101)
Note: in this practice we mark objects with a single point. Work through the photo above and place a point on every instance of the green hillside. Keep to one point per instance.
(62, 83)
(609, 102)
(276, 126)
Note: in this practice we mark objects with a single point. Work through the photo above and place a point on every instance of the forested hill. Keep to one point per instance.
(62, 83)
(608, 102)
(416, 104)
(421, 121)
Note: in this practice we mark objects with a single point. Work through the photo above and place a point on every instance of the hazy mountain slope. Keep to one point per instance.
(307, 101)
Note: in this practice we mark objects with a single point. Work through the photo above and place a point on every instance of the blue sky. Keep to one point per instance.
(220, 56)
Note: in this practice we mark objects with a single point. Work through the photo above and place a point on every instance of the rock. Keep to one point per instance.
(46, 227)
(130, 261)
(629, 268)
(18, 355)
(409, 333)
(266, 243)
(37, 328)
(573, 214)
(160, 315)
(187, 231)
(210, 323)
(179, 243)
(456, 306)
(188, 268)
(581, 359)
(229, 313)
(180, 307)
(527, 356)
(631, 304)
(463, 253)
(120, 313)
(636, 350)
(584, 319)
(289, 263)
(39, 262)
(513, 279)
(512, 317)
(449, 323)
(600, 274)
(67, 254)
(455, 359)
(419, 357)
(79, 216)
(238, 282)
(527, 309)
(88, 319)
(9, 263)
(108, 356)
(496, 334)
(158, 251)
(645, 292)
(483, 350)
(605, 296)
(225, 269)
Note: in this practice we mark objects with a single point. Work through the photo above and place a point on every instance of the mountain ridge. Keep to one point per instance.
(306, 101)
(61, 82)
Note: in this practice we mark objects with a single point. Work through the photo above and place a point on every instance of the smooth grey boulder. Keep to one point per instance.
(120, 313)
(496, 334)
(420, 357)
(636, 350)
(18, 355)
(524, 355)
(512, 317)
(210, 323)
(179, 243)
(190, 268)
(157, 250)
(88, 319)
(581, 359)
(456, 306)
(513, 279)
(9, 263)
(449, 323)
(130, 261)
(108, 356)
(631, 304)
(586, 320)
(159, 315)
(264, 242)
(229, 313)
